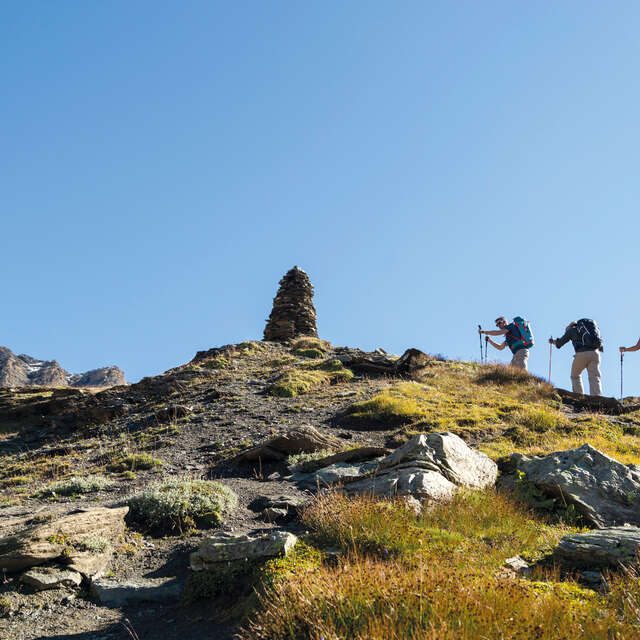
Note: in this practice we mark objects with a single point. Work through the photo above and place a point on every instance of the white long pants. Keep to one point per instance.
(589, 360)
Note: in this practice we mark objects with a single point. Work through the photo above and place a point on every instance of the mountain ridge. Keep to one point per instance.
(26, 371)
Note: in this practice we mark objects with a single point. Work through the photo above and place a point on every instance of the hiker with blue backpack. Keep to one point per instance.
(518, 338)
(587, 342)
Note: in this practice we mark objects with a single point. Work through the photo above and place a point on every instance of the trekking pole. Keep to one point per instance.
(480, 336)
(621, 360)
(486, 350)
(550, 353)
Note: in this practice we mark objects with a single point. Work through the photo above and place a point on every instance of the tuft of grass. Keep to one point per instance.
(300, 380)
(77, 485)
(314, 354)
(218, 362)
(298, 459)
(134, 462)
(309, 342)
(180, 506)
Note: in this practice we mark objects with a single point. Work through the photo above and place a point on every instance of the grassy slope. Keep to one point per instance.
(399, 576)
(441, 575)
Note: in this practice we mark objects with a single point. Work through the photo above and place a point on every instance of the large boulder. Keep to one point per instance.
(604, 491)
(428, 467)
(81, 539)
(226, 547)
(602, 548)
(297, 440)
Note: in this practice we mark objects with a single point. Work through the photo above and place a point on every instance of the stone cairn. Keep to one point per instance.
(293, 313)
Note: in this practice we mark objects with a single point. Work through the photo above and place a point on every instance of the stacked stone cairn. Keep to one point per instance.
(293, 313)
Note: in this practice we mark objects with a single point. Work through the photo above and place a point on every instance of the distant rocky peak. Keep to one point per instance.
(26, 371)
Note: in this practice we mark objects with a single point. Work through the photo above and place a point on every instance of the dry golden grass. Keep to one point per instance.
(440, 579)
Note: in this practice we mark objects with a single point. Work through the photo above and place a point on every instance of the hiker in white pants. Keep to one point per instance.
(636, 347)
(585, 337)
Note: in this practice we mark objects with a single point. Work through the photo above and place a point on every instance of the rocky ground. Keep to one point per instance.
(193, 422)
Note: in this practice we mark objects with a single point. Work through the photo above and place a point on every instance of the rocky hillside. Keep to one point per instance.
(25, 371)
(302, 490)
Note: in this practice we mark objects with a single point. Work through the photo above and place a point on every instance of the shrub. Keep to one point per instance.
(78, 485)
(181, 505)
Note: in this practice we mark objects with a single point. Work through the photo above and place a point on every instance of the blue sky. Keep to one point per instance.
(431, 166)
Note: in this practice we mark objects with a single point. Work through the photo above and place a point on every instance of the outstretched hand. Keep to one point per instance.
(622, 349)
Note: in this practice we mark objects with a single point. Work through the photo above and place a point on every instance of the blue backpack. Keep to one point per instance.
(519, 335)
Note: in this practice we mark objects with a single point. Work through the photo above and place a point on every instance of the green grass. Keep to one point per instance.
(180, 506)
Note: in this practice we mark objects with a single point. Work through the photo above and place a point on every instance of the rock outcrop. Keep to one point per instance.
(81, 539)
(411, 364)
(604, 491)
(25, 371)
(429, 467)
(297, 440)
(293, 313)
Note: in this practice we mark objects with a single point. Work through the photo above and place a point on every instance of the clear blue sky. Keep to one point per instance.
(430, 164)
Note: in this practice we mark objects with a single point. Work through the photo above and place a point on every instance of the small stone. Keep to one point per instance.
(518, 565)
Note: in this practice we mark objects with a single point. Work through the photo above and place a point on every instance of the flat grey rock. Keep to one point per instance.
(226, 547)
(42, 578)
(114, 593)
(601, 548)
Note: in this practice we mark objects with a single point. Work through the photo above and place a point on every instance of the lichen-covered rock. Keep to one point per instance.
(226, 547)
(449, 455)
(428, 467)
(332, 474)
(604, 491)
(609, 547)
(82, 538)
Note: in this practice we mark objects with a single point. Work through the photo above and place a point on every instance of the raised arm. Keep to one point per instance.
(636, 347)
(494, 332)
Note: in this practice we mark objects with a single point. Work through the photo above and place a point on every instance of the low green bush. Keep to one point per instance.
(180, 506)
(77, 485)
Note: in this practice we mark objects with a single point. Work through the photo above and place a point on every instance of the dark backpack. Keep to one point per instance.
(519, 335)
(588, 334)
